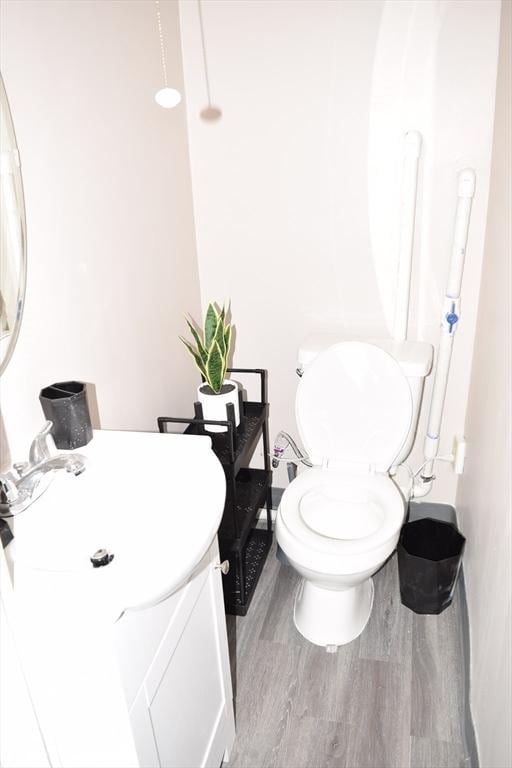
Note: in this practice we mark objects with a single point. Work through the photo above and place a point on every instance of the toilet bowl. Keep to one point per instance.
(339, 521)
(337, 529)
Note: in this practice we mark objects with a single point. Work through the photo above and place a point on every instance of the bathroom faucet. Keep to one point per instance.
(18, 487)
(282, 441)
(39, 450)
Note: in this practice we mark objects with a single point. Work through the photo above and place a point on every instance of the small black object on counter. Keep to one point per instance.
(65, 405)
(429, 560)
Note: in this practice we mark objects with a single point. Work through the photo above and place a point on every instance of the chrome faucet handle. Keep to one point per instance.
(39, 450)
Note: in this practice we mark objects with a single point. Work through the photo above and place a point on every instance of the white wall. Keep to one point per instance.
(484, 495)
(111, 250)
(296, 187)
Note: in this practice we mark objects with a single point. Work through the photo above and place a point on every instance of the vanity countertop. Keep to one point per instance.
(154, 501)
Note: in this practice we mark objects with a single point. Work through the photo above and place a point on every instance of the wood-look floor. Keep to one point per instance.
(390, 699)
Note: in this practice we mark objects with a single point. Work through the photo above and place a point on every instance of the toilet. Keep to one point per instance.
(357, 408)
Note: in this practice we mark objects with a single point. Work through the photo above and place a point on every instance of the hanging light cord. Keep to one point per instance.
(161, 36)
(203, 46)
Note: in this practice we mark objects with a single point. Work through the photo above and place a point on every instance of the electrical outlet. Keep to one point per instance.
(459, 455)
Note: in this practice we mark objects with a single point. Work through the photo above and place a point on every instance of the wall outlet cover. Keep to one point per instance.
(459, 453)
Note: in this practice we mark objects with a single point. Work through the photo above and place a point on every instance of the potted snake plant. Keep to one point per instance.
(210, 352)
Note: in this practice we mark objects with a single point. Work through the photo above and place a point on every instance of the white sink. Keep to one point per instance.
(154, 501)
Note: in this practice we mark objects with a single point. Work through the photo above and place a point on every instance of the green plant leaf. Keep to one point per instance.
(197, 358)
(227, 343)
(219, 337)
(227, 339)
(210, 326)
(214, 368)
(200, 347)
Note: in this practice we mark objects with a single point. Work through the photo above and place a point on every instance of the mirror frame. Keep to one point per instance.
(12, 338)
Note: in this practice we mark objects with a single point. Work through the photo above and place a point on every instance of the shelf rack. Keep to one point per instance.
(247, 490)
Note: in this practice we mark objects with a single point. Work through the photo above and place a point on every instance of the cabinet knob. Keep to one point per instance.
(224, 566)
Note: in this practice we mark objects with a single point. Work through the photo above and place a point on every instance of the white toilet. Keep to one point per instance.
(357, 408)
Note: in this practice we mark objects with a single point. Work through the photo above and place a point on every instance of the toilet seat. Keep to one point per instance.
(370, 508)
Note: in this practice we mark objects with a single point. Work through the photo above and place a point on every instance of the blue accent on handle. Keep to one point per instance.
(452, 318)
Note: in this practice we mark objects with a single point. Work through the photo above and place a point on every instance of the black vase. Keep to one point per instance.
(65, 405)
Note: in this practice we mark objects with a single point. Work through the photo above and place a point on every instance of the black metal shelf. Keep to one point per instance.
(252, 418)
(247, 490)
(255, 554)
(252, 486)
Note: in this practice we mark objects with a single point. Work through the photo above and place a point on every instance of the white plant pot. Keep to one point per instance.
(214, 406)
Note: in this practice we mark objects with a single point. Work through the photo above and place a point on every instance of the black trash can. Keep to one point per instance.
(65, 405)
(429, 560)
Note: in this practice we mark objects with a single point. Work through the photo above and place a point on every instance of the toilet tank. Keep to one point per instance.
(414, 357)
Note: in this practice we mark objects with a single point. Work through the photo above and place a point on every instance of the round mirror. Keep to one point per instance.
(12, 235)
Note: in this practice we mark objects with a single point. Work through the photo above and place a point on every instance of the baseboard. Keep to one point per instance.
(277, 494)
(469, 735)
(421, 509)
(261, 518)
(447, 513)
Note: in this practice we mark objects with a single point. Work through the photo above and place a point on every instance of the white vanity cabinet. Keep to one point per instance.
(127, 664)
(174, 664)
(151, 689)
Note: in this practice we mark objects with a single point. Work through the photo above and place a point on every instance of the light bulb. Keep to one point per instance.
(168, 97)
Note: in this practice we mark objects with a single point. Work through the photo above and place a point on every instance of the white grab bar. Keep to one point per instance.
(412, 151)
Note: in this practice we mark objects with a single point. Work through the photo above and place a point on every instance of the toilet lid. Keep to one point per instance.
(354, 407)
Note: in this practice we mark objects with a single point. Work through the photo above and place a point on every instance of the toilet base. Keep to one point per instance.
(331, 617)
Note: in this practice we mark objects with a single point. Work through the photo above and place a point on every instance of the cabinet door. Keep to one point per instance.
(188, 706)
(143, 732)
(21, 741)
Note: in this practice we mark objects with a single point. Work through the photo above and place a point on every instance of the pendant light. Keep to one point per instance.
(166, 97)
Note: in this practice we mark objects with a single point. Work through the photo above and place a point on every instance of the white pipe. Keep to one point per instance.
(412, 151)
(465, 194)
(449, 322)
